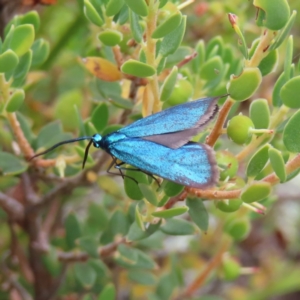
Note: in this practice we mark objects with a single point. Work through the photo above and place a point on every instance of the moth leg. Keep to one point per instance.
(118, 166)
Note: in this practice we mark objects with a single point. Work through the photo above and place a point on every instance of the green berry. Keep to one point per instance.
(238, 129)
(229, 205)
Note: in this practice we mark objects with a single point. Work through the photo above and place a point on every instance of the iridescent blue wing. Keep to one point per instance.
(191, 165)
(174, 126)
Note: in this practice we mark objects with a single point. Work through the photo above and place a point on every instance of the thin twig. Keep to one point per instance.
(81, 256)
(200, 279)
(217, 130)
(14, 209)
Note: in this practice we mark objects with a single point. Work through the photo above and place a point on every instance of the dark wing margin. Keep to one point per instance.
(177, 139)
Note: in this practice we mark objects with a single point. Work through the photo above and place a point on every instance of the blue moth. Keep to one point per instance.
(160, 145)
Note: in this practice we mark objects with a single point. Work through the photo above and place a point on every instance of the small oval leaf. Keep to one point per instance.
(137, 68)
(170, 213)
(198, 213)
(113, 7)
(91, 13)
(138, 6)
(110, 37)
(245, 85)
(15, 101)
(260, 113)
(290, 93)
(167, 26)
(102, 68)
(100, 116)
(169, 84)
(178, 227)
(277, 164)
(8, 61)
(291, 133)
(22, 39)
(257, 191)
(258, 161)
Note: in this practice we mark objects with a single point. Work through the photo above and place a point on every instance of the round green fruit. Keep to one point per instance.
(182, 92)
(229, 205)
(238, 129)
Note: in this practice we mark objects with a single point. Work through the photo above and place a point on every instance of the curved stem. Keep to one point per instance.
(218, 128)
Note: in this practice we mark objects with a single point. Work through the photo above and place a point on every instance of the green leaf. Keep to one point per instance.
(290, 93)
(100, 116)
(291, 133)
(167, 26)
(25, 126)
(144, 261)
(91, 13)
(22, 39)
(131, 187)
(40, 52)
(135, 26)
(209, 70)
(148, 193)
(73, 230)
(128, 254)
(110, 37)
(276, 16)
(142, 277)
(22, 69)
(64, 108)
(85, 274)
(113, 7)
(137, 68)
(51, 262)
(32, 17)
(138, 6)
(258, 161)
(260, 113)
(269, 63)
(169, 84)
(288, 58)
(176, 226)
(100, 267)
(245, 85)
(89, 245)
(238, 229)
(198, 213)
(108, 293)
(170, 213)
(256, 191)
(50, 135)
(277, 164)
(136, 233)
(8, 61)
(97, 217)
(15, 101)
(121, 102)
(276, 98)
(172, 189)
(198, 61)
(283, 34)
(176, 57)
(11, 165)
(172, 41)
(139, 219)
